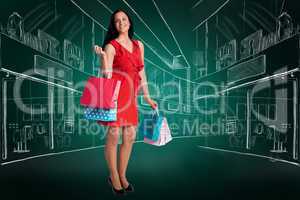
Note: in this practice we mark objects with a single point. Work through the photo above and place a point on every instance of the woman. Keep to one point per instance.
(123, 59)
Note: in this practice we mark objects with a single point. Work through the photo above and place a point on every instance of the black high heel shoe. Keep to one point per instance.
(120, 192)
(129, 188)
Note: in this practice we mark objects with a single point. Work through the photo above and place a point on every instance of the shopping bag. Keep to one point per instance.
(100, 99)
(100, 92)
(147, 125)
(164, 134)
(158, 132)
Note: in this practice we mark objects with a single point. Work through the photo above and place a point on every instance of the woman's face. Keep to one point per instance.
(121, 21)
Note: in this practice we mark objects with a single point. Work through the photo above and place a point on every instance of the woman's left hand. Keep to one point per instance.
(152, 103)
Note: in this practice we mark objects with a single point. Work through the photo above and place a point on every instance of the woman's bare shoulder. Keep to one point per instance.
(141, 45)
(109, 48)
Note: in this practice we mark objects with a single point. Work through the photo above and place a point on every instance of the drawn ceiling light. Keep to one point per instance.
(284, 26)
(15, 26)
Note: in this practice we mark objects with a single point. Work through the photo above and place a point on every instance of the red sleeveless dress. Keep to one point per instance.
(126, 67)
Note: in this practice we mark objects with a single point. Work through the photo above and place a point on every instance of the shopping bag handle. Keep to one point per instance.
(117, 90)
(155, 111)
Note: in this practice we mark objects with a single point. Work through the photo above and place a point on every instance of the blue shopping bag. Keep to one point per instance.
(150, 125)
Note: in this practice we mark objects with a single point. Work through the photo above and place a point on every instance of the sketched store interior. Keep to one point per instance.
(250, 59)
(256, 65)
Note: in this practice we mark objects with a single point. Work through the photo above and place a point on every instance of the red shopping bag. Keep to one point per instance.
(100, 93)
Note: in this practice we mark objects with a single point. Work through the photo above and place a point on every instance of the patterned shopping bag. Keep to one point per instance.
(100, 99)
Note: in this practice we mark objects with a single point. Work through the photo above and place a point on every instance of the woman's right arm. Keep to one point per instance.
(107, 58)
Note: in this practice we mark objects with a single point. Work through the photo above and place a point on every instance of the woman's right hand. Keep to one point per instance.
(99, 51)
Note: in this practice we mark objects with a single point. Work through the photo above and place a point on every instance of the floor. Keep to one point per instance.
(179, 170)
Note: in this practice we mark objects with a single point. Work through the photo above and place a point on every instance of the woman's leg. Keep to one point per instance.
(129, 134)
(110, 152)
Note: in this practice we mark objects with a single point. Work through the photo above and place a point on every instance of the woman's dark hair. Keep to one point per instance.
(112, 32)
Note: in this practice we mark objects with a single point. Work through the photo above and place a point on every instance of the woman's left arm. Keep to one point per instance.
(144, 84)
